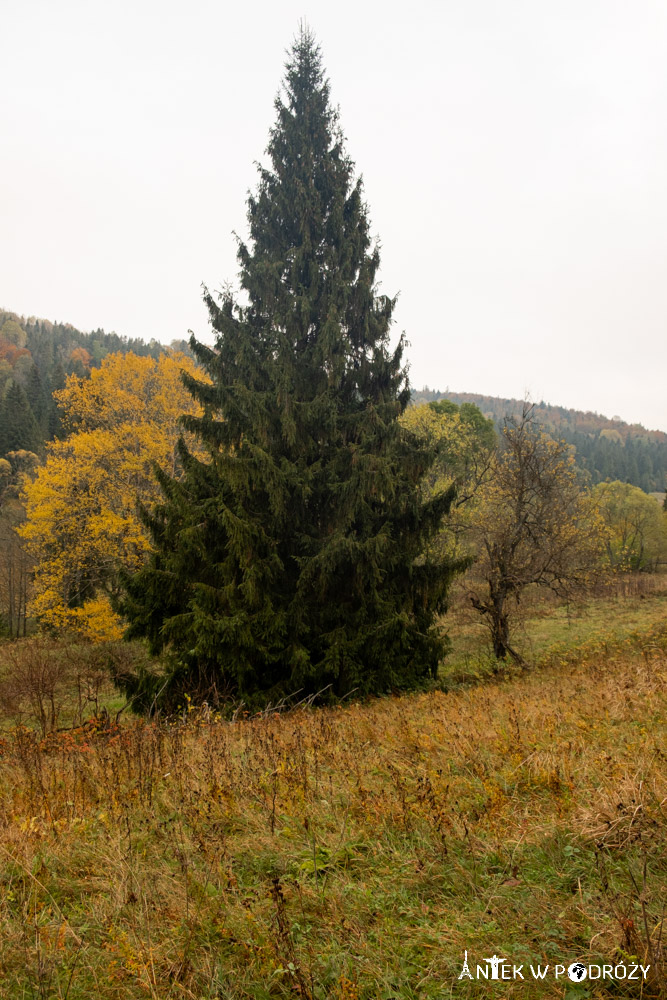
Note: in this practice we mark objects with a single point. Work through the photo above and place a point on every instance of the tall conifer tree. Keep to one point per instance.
(292, 558)
(18, 428)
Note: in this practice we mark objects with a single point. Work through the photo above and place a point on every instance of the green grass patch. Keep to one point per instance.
(547, 631)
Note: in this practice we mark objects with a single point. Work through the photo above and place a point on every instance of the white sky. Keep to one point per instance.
(514, 155)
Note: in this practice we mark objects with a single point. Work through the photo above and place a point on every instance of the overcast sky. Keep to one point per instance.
(514, 155)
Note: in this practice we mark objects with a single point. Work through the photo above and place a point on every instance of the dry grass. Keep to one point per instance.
(347, 853)
(53, 684)
(545, 630)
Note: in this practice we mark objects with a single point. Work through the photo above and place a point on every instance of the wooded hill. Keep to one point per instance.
(606, 449)
(36, 356)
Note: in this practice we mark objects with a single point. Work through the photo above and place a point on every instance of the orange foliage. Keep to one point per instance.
(82, 355)
(11, 353)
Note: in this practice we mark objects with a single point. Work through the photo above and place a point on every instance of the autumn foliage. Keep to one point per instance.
(82, 506)
(534, 526)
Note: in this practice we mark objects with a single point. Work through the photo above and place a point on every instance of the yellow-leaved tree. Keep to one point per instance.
(464, 441)
(637, 527)
(82, 523)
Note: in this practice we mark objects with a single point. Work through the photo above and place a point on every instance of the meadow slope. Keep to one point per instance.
(347, 853)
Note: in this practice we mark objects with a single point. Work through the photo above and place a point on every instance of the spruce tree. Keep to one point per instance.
(291, 559)
(37, 398)
(19, 430)
(56, 382)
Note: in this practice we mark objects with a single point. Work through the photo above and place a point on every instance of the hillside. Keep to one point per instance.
(36, 356)
(607, 449)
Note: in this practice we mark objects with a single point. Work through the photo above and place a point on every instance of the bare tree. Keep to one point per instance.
(534, 525)
(15, 563)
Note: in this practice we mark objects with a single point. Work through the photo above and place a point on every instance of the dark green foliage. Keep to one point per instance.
(56, 383)
(38, 398)
(290, 559)
(18, 428)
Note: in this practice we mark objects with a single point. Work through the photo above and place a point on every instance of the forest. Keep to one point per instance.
(605, 449)
(36, 356)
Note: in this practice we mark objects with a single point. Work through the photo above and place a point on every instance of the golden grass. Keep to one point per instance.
(348, 853)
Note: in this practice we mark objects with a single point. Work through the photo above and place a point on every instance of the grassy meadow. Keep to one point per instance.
(355, 852)
(547, 631)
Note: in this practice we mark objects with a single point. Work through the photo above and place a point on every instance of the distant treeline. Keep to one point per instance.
(606, 449)
(36, 356)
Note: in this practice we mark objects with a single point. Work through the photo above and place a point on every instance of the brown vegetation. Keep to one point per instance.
(353, 852)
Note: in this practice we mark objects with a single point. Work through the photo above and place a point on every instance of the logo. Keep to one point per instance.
(497, 968)
(577, 972)
(494, 968)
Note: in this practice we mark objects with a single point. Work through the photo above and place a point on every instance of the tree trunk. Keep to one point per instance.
(500, 631)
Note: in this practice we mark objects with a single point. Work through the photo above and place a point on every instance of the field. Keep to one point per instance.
(356, 852)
